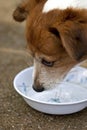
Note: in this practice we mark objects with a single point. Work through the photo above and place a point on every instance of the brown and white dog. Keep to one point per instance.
(56, 32)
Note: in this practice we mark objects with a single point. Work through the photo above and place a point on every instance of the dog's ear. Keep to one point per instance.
(74, 39)
(23, 9)
(73, 34)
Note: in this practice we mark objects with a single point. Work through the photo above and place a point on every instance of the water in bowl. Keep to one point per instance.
(63, 93)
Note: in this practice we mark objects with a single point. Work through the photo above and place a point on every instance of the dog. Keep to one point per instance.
(56, 33)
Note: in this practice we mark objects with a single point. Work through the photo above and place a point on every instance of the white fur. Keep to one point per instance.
(63, 4)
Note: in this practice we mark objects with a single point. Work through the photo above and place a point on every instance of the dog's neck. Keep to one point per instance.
(63, 4)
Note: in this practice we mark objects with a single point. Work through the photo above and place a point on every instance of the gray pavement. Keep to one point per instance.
(15, 114)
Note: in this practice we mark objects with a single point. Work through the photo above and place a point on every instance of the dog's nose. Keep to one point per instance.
(38, 88)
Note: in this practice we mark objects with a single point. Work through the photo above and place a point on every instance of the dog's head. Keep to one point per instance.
(57, 40)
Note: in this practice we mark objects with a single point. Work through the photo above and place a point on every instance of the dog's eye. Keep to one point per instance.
(47, 63)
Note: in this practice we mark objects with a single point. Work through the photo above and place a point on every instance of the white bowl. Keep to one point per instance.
(65, 98)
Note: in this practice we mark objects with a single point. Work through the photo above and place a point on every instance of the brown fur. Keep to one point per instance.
(59, 35)
(24, 8)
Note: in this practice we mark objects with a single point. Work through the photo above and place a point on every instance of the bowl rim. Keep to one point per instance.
(43, 102)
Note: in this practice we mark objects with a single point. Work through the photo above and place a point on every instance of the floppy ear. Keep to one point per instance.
(74, 39)
(71, 28)
(23, 9)
(73, 36)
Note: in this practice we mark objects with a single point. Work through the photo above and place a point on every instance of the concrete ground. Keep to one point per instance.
(15, 114)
